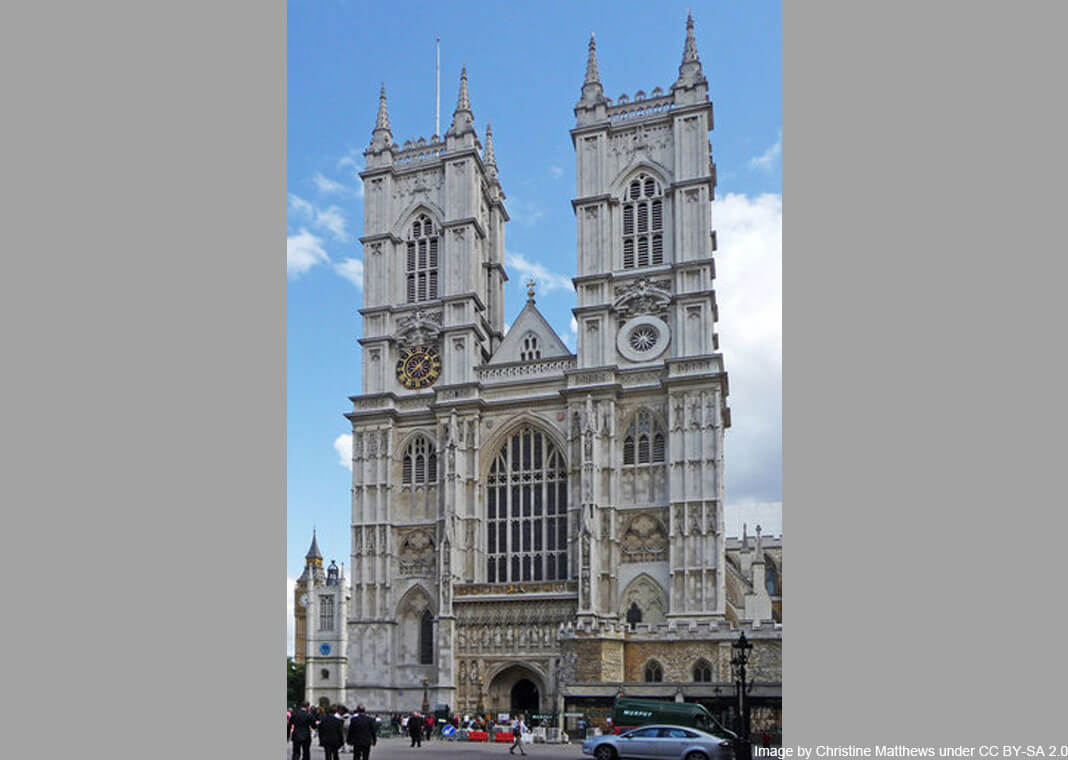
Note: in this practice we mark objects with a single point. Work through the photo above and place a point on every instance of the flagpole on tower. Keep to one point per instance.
(437, 86)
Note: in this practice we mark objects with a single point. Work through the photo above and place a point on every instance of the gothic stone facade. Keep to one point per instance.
(530, 527)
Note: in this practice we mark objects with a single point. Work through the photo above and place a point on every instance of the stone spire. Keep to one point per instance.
(462, 118)
(382, 136)
(690, 68)
(488, 159)
(592, 92)
(313, 551)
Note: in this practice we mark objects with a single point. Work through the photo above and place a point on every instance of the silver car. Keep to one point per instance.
(661, 743)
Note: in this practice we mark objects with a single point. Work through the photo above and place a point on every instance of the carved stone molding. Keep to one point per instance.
(643, 296)
(644, 539)
(415, 554)
(419, 328)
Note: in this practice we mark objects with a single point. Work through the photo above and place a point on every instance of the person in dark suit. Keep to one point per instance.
(415, 729)
(363, 734)
(300, 726)
(331, 733)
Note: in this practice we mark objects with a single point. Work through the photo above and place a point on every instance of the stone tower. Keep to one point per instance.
(327, 640)
(433, 313)
(646, 320)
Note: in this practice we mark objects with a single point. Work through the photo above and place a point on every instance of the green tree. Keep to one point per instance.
(294, 682)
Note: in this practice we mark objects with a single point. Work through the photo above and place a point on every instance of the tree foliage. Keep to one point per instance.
(294, 682)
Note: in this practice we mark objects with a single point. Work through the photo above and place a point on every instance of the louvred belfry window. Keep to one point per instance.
(643, 223)
(421, 261)
(526, 511)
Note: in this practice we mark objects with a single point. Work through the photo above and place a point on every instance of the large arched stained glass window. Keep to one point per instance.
(526, 510)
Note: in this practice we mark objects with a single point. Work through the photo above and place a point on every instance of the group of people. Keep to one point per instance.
(361, 733)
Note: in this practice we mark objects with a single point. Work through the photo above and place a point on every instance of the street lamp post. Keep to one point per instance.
(739, 660)
(426, 698)
(481, 709)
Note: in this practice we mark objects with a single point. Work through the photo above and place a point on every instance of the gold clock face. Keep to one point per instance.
(418, 367)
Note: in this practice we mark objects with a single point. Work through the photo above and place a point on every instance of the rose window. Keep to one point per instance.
(643, 337)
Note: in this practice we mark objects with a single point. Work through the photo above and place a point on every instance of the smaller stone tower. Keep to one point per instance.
(327, 640)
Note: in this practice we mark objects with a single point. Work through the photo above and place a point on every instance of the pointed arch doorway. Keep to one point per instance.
(516, 688)
(524, 697)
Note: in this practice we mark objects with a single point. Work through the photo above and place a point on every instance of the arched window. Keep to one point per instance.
(643, 223)
(702, 671)
(324, 674)
(420, 464)
(634, 614)
(426, 639)
(654, 673)
(422, 261)
(530, 349)
(771, 579)
(644, 442)
(326, 612)
(526, 510)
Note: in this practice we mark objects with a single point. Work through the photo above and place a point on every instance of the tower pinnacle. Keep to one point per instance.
(592, 92)
(690, 68)
(488, 158)
(462, 118)
(382, 136)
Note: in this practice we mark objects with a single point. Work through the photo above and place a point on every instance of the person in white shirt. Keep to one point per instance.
(518, 727)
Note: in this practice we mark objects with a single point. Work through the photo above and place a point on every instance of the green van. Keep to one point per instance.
(629, 713)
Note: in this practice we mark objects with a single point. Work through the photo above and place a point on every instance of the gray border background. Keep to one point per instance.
(144, 382)
(923, 448)
(144, 328)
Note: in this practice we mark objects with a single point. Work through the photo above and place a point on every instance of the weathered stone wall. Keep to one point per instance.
(600, 660)
(676, 657)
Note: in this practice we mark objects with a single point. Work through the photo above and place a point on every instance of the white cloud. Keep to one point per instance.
(291, 626)
(766, 159)
(556, 171)
(523, 269)
(351, 270)
(330, 219)
(749, 295)
(328, 186)
(343, 447)
(303, 251)
(507, 327)
(571, 338)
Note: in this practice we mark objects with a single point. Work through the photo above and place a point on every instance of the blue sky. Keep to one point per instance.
(525, 65)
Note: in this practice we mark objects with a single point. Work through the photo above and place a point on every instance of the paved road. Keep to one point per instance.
(435, 749)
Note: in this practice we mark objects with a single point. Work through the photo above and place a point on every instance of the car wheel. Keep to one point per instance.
(695, 755)
(605, 752)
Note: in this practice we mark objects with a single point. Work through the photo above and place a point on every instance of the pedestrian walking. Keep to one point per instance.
(415, 729)
(363, 733)
(331, 732)
(300, 726)
(429, 727)
(518, 727)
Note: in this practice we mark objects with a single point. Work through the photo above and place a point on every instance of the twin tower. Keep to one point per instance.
(521, 513)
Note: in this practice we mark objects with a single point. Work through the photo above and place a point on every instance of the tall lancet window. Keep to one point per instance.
(644, 441)
(420, 464)
(526, 510)
(426, 639)
(643, 223)
(326, 613)
(422, 261)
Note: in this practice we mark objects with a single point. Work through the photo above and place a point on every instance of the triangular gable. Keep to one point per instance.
(529, 321)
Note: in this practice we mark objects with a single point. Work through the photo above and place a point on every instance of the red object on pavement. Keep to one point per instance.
(504, 736)
(477, 736)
